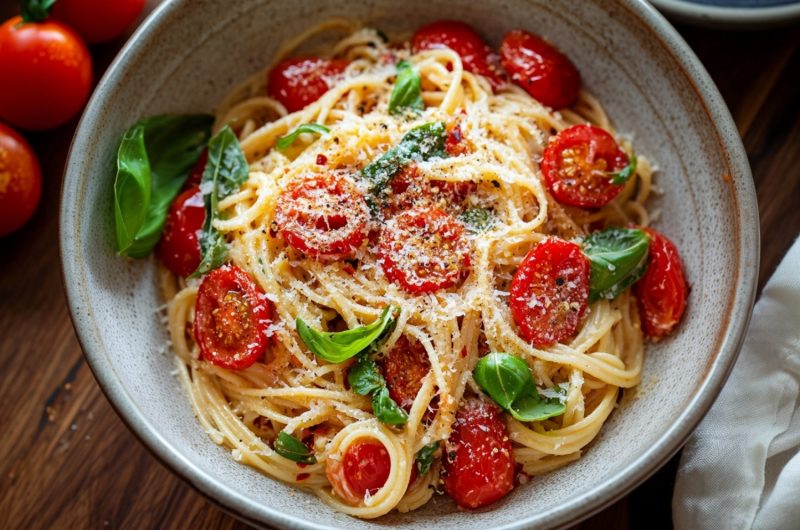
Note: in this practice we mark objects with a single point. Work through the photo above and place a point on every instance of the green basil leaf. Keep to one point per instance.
(225, 172)
(618, 257)
(477, 220)
(284, 142)
(406, 94)
(365, 378)
(535, 407)
(290, 447)
(36, 10)
(336, 347)
(504, 377)
(424, 457)
(153, 161)
(386, 409)
(622, 176)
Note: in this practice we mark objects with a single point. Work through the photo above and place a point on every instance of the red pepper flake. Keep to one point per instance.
(463, 352)
(302, 476)
(348, 268)
(322, 159)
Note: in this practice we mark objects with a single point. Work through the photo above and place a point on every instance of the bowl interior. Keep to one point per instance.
(186, 57)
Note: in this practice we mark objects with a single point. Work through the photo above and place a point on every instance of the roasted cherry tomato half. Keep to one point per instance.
(404, 368)
(409, 189)
(46, 73)
(298, 82)
(179, 249)
(662, 291)
(579, 164)
(232, 319)
(476, 55)
(550, 292)
(540, 68)
(20, 181)
(324, 216)
(424, 250)
(479, 463)
(364, 468)
(98, 20)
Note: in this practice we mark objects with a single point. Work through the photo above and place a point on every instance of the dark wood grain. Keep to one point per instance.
(67, 461)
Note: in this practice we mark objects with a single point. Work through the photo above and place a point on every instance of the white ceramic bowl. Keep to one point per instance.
(190, 52)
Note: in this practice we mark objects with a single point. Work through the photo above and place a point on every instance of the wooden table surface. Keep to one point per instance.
(66, 459)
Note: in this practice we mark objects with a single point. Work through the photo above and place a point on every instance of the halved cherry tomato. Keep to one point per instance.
(479, 466)
(460, 37)
(324, 216)
(550, 292)
(578, 166)
(410, 189)
(20, 181)
(424, 250)
(404, 368)
(540, 68)
(300, 81)
(196, 174)
(364, 468)
(179, 249)
(98, 20)
(662, 290)
(46, 73)
(232, 319)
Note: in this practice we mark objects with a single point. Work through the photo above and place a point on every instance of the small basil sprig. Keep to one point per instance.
(225, 172)
(338, 346)
(290, 447)
(153, 161)
(618, 257)
(622, 176)
(406, 94)
(365, 379)
(284, 142)
(424, 457)
(477, 220)
(508, 381)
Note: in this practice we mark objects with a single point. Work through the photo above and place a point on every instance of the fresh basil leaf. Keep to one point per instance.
(284, 142)
(622, 176)
(290, 447)
(406, 94)
(386, 409)
(424, 457)
(153, 161)
(36, 10)
(618, 257)
(336, 347)
(225, 172)
(504, 377)
(365, 378)
(535, 407)
(420, 143)
(477, 220)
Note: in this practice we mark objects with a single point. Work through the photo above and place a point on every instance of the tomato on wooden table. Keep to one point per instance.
(324, 216)
(424, 250)
(476, 55)
(179, 249)
(662, 291)
(363, 469)
(232, 319)
(98, 20)
(404, 368)
(550, 292)
(540, 68)
(20, 181)
(579, 165)
(479, 463)
(46, 73)
(300, 81)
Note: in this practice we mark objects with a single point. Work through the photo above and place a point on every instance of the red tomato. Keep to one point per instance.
(540, 68)
(364, 468)
(98, 20)
(20, 181)
(662, 290)
(178, 248)
(409, 189)
(424, 250)
(323, 216)
(46, 73)
(404, 368)
(550, 292)
(232, 319)
(196, 174)
(460, 37)
(298, 82)
(578, 164)
(479, 466)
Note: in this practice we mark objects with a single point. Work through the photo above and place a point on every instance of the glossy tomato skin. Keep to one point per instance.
(479, 463)
(662, 291)
(178, 249)
(578, 164)
(540, 68)
(404, 367)
(20, 181)
(196, 174)
(476, 55)
(232, 319)
(364, 468)
(550, 292)
(98, 20)
(300, 81)
(46, 73)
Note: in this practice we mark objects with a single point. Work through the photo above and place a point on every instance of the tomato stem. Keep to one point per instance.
(36, 10)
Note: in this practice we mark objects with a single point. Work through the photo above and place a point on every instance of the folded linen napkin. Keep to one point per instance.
(741, 467)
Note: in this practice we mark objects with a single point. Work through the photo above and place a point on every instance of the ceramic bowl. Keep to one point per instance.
(732, 14)
(189, 53)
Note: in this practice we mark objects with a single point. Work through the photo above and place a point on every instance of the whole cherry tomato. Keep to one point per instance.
(20, 181)
(297, 82)
(98, 20)
(178, 248)
(363, 469)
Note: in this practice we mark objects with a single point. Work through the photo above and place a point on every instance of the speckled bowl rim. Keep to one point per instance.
(729, 17)
(602, 494)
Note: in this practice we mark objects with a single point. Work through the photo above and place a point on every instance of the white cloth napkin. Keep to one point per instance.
(741, 468)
